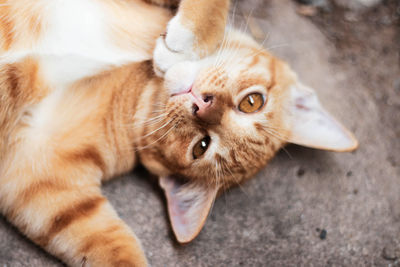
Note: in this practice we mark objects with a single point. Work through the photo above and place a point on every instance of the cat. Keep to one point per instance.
(91, 88)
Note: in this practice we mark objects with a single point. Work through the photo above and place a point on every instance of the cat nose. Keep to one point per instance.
(203, 106)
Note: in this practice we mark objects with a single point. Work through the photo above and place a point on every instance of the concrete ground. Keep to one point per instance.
(307, 207)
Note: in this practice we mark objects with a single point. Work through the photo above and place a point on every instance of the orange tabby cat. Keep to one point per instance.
(83, 99)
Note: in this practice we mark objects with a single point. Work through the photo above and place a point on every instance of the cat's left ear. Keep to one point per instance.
(188, 206)
(313, 126)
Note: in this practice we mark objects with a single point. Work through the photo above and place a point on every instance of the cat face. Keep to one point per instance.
(227, 115)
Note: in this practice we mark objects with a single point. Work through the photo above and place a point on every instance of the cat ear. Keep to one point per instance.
(188, 206)
(313, 126)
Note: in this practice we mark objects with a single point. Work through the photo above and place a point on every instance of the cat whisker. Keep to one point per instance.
(223, 48)
(219, 181)
(155, 117)
(145, 117)
(230, 49)
(218, 56)
(277, 46)
(277, 134)
(136, 126)
(236, 180)
(266, 122)
(260, 50)
(217, 177)
(159, 105)
(248, 18)
(158, 111)
(224, 41)
(154, 120)
(270, 130)
(287, 153)
(156, 130)
(236, 49)
(212, 205)
(132, 149)
(160, 138)
(275, 130)
(155, 112)
(148, 123)
(265, 39)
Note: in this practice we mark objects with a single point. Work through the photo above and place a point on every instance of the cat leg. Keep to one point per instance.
(193, 33)
(60, 207)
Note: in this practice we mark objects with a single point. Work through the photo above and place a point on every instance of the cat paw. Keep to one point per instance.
(175, 46)
(179, 38)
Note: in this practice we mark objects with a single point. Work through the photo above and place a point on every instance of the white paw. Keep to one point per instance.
(179, 38)
(175, 47)
(164, 58)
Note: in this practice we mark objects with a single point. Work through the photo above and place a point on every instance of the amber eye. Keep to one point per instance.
(251, 103)
(201, 147)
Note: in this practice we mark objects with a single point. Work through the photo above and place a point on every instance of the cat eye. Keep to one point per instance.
(201, 147)
(251, 103)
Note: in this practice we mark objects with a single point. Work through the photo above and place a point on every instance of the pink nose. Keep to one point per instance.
(202, 105)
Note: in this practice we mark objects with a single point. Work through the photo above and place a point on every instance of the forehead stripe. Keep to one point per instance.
(247, 83)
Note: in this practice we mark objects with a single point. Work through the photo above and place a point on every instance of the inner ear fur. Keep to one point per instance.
(312, 126)
(189, 204)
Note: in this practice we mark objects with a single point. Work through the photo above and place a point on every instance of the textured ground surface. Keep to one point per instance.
(352, 59)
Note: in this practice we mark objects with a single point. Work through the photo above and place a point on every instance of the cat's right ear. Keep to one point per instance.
(312, 126)
(189, 204)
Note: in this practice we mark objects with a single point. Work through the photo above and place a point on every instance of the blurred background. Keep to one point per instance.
(307, 207)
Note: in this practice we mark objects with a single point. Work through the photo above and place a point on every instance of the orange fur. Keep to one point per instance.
(206, 21)
(126, 28)
(21, 24)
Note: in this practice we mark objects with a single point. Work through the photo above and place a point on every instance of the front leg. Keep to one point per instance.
(195, 32)
(63, 211)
